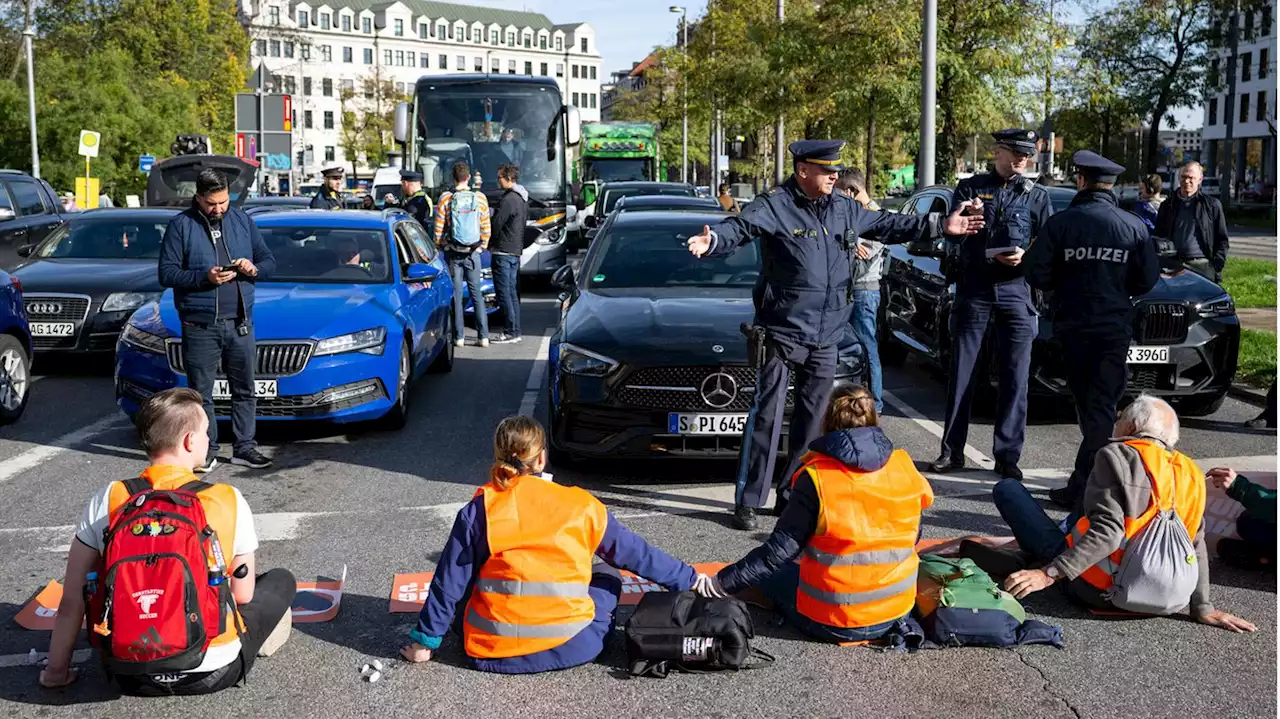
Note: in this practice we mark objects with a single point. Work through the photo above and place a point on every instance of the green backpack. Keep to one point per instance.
(959, 604)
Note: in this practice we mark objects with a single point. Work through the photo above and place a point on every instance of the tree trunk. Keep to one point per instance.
(945, 155)
(1153, 137)
(1105, 141)
(870, 169)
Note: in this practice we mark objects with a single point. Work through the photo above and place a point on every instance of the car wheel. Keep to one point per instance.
(15, 376)
(444, 361)
(398, 417)
(1201, 405)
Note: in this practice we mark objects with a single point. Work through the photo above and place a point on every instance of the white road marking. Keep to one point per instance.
(534, 383)
(80, 656)
(37, 456)
(935, 429)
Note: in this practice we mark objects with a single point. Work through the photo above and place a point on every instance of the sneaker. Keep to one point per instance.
(505, 339)
(251, 458)
(210, 461)
(1242, 555)
(277, 638)
(483, 343)
(459, 342)
(744, 518)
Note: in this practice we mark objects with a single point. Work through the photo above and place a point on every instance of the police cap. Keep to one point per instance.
(823, 153)
(1018, 140)
(1096, 167)
(410, 176)
(335, 171)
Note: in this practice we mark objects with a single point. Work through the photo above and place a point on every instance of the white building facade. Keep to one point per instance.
(314, 50)
(1253, 114)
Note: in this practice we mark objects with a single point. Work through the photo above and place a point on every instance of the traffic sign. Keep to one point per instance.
(89, 141)
(145, 162)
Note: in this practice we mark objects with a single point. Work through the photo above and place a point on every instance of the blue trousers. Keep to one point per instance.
(781, 588)
(203, 348)
(1037, 534)
(466, 268)
(506, 273)
(866, 308)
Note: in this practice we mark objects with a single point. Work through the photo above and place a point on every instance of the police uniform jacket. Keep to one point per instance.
(804, 291)
(326, 200)
(419, 206)
(1095, 257)
(1015, 210)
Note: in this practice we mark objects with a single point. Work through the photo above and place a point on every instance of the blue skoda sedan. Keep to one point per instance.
(356, 311)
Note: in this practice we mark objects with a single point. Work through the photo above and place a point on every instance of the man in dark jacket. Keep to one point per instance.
(211, 255)
(803, 300)
(1196, 225)
(507, 245)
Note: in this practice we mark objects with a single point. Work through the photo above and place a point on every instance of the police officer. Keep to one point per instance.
(803, 300)
(414, 200)
(1095, 258)
(990, 286)
(327, 197)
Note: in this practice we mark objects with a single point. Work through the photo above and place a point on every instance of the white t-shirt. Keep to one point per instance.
(97, 518)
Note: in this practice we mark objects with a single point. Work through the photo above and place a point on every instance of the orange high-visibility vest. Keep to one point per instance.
(531, 594)
(219, 504)
(1176, 483)
(859, 568)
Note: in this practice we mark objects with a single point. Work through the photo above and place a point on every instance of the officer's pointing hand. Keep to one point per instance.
(699, 245)
(961, 222)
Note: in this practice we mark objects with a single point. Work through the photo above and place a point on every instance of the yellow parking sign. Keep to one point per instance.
(87, 197)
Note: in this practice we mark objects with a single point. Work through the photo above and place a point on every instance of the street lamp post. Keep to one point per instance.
(684, 137)
(28, 36)
(928, 93)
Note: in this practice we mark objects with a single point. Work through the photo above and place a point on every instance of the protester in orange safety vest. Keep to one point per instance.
(1129, 475)
(518, 567)
(853, 519)
(174, 432)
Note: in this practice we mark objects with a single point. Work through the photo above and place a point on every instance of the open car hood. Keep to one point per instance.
(173, 181)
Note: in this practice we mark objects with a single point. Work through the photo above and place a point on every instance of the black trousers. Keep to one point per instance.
(204, 347)
(1096, 374)
(272, 595)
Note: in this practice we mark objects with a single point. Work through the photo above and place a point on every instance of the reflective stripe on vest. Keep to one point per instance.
(532, 594)
(855, 572)
(1176, 483)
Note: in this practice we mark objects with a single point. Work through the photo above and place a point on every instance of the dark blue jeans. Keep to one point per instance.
(780, 588)
(866, 307)
(506, 273)
(466, 268)
(1037, 534)
(203, 347)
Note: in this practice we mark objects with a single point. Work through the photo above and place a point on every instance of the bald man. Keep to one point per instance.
(1196, 225)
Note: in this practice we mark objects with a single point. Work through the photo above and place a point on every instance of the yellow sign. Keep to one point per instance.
(89, 141)
(87, 200)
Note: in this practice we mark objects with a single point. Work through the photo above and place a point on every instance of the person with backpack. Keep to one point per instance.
(853, 519)
(162, 571)
(462, 229)
(518, 570)
(1139, 546)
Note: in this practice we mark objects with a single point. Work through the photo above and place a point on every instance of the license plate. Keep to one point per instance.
(262, 388)
(1148, 355)
(678, 423)
(53, 329)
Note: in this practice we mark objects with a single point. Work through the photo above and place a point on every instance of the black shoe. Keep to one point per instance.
(506, 339)
(744, 518)
(250, 458)
(210, 461)
(1008, 471)
(993, 561)
(1242, 555)
(1062, 497)
(946, 463)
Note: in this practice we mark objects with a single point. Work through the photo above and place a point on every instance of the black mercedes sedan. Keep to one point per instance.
(648, 359)
(1186, 336)
(85, 279)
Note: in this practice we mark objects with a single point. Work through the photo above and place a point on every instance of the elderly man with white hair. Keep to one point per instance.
(1133, 477)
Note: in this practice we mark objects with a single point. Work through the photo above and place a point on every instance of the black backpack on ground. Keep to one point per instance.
(681, 630)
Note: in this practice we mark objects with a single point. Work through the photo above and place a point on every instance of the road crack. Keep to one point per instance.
(1048, 685)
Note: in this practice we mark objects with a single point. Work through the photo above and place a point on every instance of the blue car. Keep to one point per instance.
(357, 309)
(15, 350)
(486, 286)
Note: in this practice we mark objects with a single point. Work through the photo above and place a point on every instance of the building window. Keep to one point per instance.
(479, 64)
(305, 51)
(400, 88)
(542, 42)
(328, 153)
(306, 86)
(346, 23)
(460, 63)
(495, 65)
(262, 48)
(1213, 111)
(304, 19)
(289, 85)
(493, 37)
(1261, 113)
(348, 86)
(528, 40)
(326, 53)
(1246, 66)
(423, 30)
(324, 21)
(399, 28)
(1263, 60)
(411, 58)
(479, 35)
(326, 87)
(1248, 27)
(348, 54)
(511, 39)
(274, 46)
(575, 72)
(288, 49)
(575, 98)
(368, 56)
(274, 13)
(1244, 108)
(584, 44)
(306, 119)
(528, 68)
(366, 25)
(444, 62)
(559, 69)
(400, 58)
(511, 67)
(424, 61)
(328, 119)
(593, 72)
(542, 69)
(559, 44)
(386, 57)
(441, 30)
(593, 101)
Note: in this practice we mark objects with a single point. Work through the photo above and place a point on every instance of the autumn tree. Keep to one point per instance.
(367, 111)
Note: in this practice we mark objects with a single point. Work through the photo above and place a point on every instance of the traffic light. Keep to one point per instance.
(190, 145)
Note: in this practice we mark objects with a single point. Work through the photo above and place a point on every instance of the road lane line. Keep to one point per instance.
(80, 656)
(37, 456)
(935, 429)
(534, 384)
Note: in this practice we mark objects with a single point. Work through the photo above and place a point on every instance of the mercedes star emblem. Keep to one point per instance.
(717, 348)
(719, 390)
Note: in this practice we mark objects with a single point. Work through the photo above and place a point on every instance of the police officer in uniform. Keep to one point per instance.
(414, 200)
(990, 287)
(803, 301)
(327, 197)
(1095, 258)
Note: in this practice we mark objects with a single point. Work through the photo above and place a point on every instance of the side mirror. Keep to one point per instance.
(563, 279)
(925, 248)
(419, 272)
(572, 126)
(401, 123)
(6, 214)
(26, 250)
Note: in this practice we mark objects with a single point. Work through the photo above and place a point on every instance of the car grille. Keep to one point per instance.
(1162, 323)
(1150, 379)
(67, 308)
(307, 405)
(680, 388)
(275, 359)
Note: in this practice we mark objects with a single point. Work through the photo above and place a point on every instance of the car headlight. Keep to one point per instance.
(122, 301)
(550, 236)
(580, 361)
(142, 340)
(1222, 306)
(370, 341)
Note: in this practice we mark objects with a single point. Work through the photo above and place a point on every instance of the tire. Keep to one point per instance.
(15, 379)
(398, 417)
(443, 363)
(1201, 405)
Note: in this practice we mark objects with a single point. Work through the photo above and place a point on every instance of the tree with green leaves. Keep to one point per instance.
(368, 119)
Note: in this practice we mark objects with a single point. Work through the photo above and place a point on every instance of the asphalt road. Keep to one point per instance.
(382, 503)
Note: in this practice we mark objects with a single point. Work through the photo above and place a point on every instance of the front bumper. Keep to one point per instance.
(95, 332)
(541, 260)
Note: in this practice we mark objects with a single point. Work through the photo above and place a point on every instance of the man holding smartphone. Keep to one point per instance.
(212, 255)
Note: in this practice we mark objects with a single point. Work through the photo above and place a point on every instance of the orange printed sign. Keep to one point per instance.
(40, 612)
(318, 601)
(409, 591)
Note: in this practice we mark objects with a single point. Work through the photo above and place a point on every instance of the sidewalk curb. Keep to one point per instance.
(1248, 394)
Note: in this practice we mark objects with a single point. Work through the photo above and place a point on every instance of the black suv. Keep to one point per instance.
(29, 211)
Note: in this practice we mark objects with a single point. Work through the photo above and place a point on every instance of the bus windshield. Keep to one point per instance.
(486, 125)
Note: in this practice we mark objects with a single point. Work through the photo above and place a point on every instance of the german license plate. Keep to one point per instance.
(678, 423)
(52, 329)
(262, 389)
(1148, 355)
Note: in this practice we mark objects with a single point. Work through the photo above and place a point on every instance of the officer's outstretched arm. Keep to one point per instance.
(754, 221)
(1144, 268)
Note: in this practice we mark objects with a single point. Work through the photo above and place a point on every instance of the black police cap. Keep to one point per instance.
(1017, 139)
(1095, 166)
(410, 176)
(823, 153)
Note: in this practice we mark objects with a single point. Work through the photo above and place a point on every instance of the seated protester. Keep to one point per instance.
(1119, 501)
(1256, 547)
(174, 432)
(517, 570)
(854, 514)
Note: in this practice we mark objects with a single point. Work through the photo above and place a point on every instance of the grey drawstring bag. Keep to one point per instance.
(1158, 572)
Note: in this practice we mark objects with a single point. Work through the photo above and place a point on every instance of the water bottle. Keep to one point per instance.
(700, 649)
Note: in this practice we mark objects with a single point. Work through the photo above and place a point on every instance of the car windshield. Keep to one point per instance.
(105, 237)
(646, 256)
(318, 254)
(611, 196)
(617, 170)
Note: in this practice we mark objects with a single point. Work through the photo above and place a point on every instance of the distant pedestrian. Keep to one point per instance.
(462, 228)
(367, 203)
(1267, 418)
(508, 243)
(728, 202)
(1195, 223)
(1150, 198)
(867, 271)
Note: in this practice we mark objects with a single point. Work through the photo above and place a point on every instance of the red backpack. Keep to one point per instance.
(162, 591)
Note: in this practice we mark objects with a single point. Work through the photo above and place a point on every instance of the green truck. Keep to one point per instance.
(615, 152)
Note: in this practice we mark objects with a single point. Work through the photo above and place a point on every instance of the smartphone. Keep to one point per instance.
(228, 268)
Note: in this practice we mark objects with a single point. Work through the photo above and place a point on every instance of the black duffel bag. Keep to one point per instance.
(681, 630)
